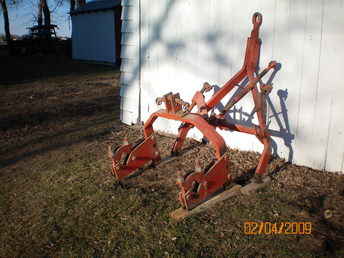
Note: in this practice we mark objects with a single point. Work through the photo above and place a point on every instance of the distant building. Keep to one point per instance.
(96, 31)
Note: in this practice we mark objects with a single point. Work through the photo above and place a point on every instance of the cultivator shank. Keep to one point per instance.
(128, 158)
(202, 184)
(198, 186)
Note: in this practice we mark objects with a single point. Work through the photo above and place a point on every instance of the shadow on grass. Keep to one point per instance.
(24, 69)
(41, 127)
(51, 147)
(53, 113)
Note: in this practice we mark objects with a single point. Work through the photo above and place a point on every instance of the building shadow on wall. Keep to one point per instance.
(277, 109)
(238, 115)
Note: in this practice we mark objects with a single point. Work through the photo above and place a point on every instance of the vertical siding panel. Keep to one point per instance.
(235, 25)
(279, 44)
(311, 50)
(320, 119)
(145, 36)
(150, 35)
(91, 48)
(331, 88)
(322, 99)
(130, 67)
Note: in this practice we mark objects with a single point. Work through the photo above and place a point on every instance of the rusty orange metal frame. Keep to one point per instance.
(200, 185)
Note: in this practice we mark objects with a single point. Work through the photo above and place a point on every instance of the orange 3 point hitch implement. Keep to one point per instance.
(199, 185)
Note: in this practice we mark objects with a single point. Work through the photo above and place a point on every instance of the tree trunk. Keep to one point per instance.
(46, 12)
(6, 23)
(80, 2)
(47, 21)
(39, 13)
(72, 6)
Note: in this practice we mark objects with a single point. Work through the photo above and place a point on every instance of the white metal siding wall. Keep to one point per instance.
(130, 67)
(187, 42)
(93, 36)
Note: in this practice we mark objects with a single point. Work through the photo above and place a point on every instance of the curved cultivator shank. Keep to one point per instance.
(198, 186)
(127, 158)
(202, 184)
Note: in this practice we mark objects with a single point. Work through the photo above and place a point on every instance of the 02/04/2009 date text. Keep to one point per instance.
(281, 228)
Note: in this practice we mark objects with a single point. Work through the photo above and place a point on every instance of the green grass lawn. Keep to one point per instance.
(58, 199)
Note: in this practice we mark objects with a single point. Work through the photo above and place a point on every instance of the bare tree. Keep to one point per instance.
(39, 14)
(6, 22)
(43, 8)
(46, 11)
(80, 3)
(72, 6)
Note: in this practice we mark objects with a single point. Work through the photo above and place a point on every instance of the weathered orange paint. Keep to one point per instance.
(200, 185)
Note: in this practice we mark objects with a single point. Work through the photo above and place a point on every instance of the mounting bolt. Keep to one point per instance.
(197, 166)
(180, 177)
(110, 152)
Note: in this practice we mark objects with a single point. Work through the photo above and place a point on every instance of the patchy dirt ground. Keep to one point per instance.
(57, 197)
